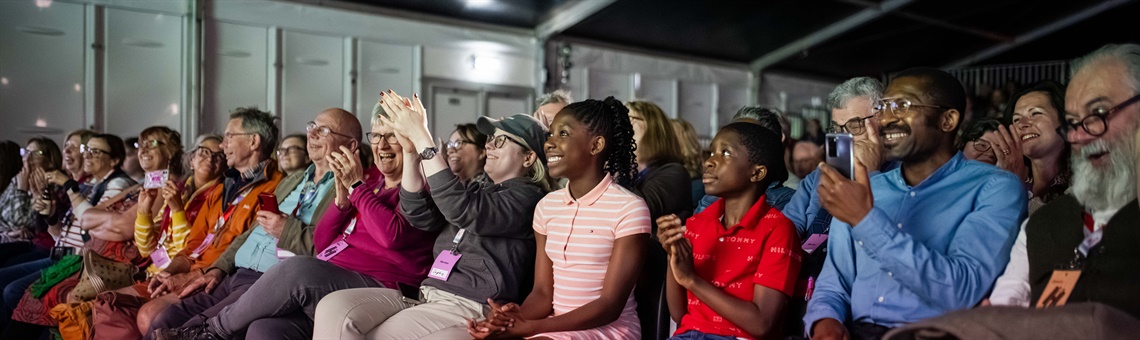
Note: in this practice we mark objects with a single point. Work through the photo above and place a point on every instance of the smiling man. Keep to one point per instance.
(921, 240)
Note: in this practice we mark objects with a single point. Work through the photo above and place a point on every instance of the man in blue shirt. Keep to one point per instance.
(918, 241)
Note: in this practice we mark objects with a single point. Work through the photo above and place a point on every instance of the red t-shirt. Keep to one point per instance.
(762, 250)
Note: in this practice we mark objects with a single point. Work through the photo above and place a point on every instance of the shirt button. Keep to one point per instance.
(900, 225)
(860, 243)
(880, 299)
(912, 194)
(721, 239)
(891, 275)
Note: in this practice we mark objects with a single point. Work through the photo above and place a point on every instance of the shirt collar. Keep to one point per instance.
(750, 219)
(590, 197)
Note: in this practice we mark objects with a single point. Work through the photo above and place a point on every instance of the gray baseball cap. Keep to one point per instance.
(522, 126)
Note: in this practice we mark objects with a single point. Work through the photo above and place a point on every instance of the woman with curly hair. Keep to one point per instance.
(590, 236)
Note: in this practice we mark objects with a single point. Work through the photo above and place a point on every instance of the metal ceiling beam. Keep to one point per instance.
(568, 16)
(938, 22)
(1038, 33)
(855, 20)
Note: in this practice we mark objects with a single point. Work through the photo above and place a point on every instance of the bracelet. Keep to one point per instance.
(71, 185)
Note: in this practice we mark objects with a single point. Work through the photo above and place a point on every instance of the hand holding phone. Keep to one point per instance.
(268, 202)
(840, 153)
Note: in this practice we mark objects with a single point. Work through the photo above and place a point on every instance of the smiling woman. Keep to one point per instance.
(1035, 115)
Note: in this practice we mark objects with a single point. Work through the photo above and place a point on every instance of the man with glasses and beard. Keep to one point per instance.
(921, 240)
(1094, 224)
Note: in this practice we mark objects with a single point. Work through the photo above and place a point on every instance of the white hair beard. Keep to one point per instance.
(1111, 187)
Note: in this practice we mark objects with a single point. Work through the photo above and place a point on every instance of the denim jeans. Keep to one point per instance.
(15, 280)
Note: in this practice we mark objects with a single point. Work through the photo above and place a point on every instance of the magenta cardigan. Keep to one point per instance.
(384, 245)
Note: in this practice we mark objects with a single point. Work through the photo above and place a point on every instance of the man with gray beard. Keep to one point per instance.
(1093, 229)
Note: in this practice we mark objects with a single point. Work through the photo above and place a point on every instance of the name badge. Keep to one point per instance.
(160, 258)
(284, 254)
(332, 250)
(813, 242)
(443, 265)
(202, 247)
(1059, 288)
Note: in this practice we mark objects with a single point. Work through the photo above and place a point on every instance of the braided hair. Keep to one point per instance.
(609, 118)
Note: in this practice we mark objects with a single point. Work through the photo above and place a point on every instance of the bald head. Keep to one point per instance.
(805, 157)
(344, 130)
(346, 122)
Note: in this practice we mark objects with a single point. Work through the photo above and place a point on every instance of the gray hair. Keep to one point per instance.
(1128, 54)
(557, 97)
(854, 88)
(378, 111)
(260, 123)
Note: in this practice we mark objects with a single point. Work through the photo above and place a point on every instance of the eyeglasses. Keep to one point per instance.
(982, 145)
(456, 144)
(285, 150)
(147, 145)
(25, 152)
(499, 140)
(375, 138)
(899, 107)
(1096, 123)
(322, 130)
(230, 135)
(93, 152)
(202, 151)
(854, 126)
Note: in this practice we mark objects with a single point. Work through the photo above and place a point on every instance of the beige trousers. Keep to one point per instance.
(381, 313)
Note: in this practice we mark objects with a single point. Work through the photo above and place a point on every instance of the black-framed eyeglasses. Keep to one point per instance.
(282, 151)
(206, 152)
(230, 135)
(375, 138)
(1096, 123)
(24, 152)
(499, 140)
(899, 107)
(323, 131)
(90, 151)
(149, 144)
(458, 143)
(854, 126)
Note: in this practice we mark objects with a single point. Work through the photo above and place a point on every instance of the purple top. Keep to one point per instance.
(383, 245)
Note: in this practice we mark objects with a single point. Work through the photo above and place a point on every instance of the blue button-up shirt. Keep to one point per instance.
(259, 252)
(804, 209)
(921, 251)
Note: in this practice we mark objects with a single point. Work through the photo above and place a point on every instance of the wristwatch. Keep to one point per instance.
(428, 153)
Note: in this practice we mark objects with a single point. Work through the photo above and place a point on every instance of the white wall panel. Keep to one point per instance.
(660, 91)
(730, 100)
(502, 105)
(41, 69)
(382, 67)
(143, 79)
(313, 78)
(697, 104)
(451, 107)
(235, 73)
(479, 66)
(604, 84)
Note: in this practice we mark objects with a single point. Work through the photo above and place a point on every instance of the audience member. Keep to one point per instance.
(1101, 123)
(976, 142)
(23, 230)
(73, 154)
(467, 154)
(227, 214)
(898, 250)
(484, 248)
(1035, 115)
(583, 281)
(549, 105)
(14, 214)
(813, 132)
(806, 157)
(693, 156)
(777, 194)
(733, 267)
(293, 154)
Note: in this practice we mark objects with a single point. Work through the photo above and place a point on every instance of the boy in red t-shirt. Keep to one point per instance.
(733, 267)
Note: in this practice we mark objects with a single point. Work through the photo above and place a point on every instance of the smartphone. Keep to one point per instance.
(268, 202)
(841, 153)
(411, 293)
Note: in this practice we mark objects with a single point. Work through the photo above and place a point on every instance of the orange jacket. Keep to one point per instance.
(242, 218)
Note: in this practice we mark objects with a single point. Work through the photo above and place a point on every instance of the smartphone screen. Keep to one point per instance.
(268, 203)
(840, 153)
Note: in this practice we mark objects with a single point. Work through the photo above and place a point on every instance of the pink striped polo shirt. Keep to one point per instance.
(580, 239)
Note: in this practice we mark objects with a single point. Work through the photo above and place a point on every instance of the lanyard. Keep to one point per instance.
(308, 195)
(455, 241)
(1092, 238)
(229, 212)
